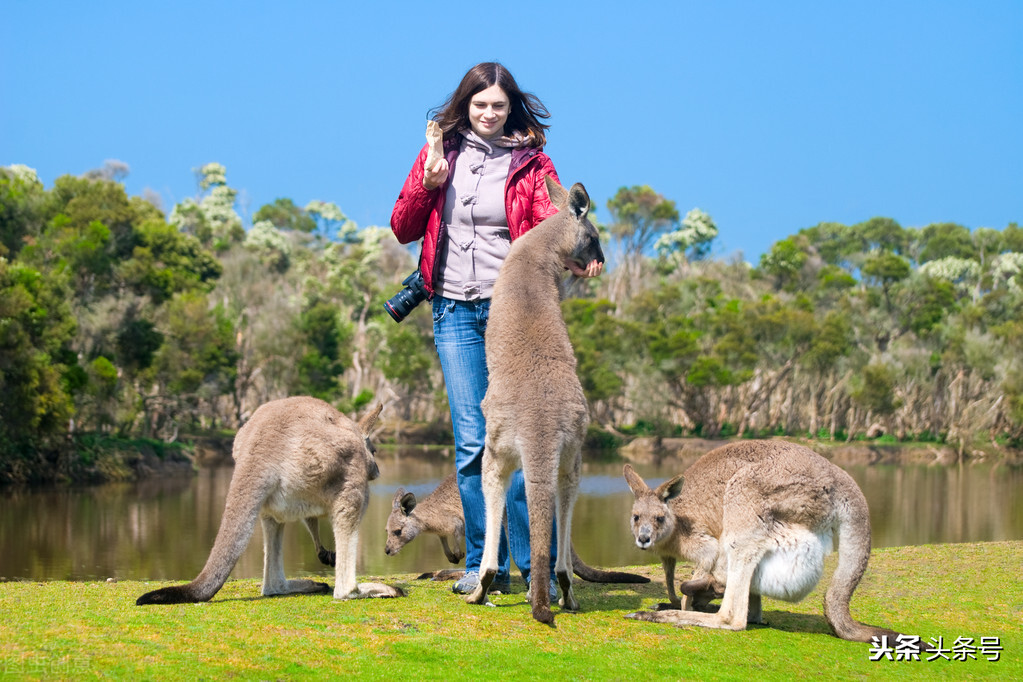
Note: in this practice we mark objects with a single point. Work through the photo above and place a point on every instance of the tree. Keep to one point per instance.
(195, 365)
(22, 208)
(639, 215)
(212, 219)
(321, 364)
(784, 263)
(695, 235)
(945, 240)
(601, 349)
(285, 215)
(886, 269)
(881, 234)
(36, 328)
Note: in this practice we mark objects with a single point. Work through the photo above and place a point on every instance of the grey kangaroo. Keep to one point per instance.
(756, 518)
(534, 407)
(296, 458)
(440, 513)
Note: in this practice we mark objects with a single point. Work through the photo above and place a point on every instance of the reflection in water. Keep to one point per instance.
(164, 529)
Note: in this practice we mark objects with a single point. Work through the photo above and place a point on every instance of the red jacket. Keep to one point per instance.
(417, 213)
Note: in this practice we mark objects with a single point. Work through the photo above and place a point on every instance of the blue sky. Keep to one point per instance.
(770, 116)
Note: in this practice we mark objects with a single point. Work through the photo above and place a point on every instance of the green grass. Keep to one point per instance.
(71, 630)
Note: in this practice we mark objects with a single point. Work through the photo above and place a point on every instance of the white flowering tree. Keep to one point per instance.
(695, 234)
(1007, 268)
(962, 273)
(331, 223)
(212, 218)
(24, 173)
(271, 244)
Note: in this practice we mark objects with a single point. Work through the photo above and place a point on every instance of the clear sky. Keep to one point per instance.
(769, 116)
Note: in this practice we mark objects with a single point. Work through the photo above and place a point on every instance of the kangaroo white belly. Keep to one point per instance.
(791, 570)
(286, 509)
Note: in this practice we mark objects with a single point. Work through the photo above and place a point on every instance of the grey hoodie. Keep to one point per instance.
(477, 226)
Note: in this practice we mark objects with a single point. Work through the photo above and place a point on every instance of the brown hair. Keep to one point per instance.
(525, 110)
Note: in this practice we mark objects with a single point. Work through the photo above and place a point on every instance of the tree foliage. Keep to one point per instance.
(117, 318)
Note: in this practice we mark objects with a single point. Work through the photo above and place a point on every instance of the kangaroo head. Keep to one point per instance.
(652, 518)
(402, 527)
(575, 204)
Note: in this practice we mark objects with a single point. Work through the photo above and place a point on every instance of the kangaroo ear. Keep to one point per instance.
(636, 483)
(557, 193)
(369, 419)
(408, 503)
(396, 502)
(670, 488)
(578, 201)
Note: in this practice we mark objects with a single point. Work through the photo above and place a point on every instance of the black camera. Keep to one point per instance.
(403, 302)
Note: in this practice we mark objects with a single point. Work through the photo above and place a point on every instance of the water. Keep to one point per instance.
(164, 529)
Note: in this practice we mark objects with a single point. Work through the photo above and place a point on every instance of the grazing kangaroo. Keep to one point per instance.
(440, 513)
(757, 518)
(296, 458)
(534, 407)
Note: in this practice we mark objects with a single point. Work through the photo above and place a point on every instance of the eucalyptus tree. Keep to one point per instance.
(639, 216)
(212, 217)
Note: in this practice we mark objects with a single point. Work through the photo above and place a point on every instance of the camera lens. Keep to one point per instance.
(401, 304)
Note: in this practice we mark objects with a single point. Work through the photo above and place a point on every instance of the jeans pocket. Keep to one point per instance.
(441, 308)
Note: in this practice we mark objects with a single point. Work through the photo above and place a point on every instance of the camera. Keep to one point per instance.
(403, 302)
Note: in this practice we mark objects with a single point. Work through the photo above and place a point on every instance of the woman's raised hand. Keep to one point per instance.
(436, 176)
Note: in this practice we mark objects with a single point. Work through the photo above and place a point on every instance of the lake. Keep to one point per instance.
(163, 529)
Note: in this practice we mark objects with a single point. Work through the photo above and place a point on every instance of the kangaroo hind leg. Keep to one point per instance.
(346, 515)
(568, 488)
(495, 476)
(274, 582)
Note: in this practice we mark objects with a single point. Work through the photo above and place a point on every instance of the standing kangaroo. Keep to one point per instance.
(534, 407)
(440, 513)
(296, 458)
(757, 519)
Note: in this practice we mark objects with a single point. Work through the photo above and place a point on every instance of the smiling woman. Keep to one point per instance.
(488, 112)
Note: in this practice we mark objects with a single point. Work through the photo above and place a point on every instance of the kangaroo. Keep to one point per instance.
(440, 513)
(757, 519)
(296, 458)
(535, 410)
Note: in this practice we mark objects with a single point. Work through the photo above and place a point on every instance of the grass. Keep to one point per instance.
(85, 630)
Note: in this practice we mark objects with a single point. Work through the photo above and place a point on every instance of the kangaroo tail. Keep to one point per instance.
(236, 528)
(540, 498)
(853, 554)
(599, 575)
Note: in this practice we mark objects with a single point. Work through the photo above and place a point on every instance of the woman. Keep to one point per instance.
(484, 193)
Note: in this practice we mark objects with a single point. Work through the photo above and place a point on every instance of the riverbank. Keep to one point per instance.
(853, 453)
(95, 460)
(970, 596)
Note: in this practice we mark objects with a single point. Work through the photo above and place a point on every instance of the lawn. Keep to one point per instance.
(84, 630)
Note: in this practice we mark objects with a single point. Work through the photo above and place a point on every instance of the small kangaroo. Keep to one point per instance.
(757, 519)
(440, 513)
(296, 458)
(535, 410)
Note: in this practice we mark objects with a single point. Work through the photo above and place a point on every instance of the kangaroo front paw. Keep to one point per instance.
(326, 557)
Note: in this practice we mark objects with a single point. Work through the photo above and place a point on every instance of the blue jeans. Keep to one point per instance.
(458, 332)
